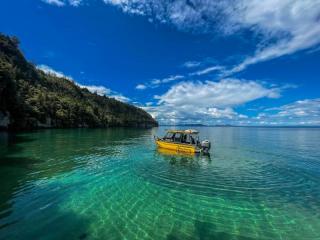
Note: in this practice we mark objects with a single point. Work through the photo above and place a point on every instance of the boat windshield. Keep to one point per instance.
(173, 136)
(180, 137)
(169, 136)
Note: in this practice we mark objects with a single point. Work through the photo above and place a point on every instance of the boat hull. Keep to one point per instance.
(179, 147)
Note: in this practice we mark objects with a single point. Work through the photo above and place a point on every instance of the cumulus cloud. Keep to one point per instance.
(209, 102)
(225, 93)
(180, 115)
(279, 28)
(307, 107)
(302, 112)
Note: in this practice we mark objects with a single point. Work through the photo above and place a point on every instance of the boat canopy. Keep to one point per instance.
(188, 131)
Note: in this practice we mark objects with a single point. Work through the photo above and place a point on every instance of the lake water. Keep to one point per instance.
(258, 183)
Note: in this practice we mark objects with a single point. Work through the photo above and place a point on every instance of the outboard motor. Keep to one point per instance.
(205, 146)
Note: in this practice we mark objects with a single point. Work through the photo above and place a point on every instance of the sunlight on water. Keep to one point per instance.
(258, 183)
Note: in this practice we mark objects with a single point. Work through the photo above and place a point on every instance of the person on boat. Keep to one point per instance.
(192, 140)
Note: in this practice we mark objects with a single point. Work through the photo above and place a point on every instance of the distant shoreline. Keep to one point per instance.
(237, 126)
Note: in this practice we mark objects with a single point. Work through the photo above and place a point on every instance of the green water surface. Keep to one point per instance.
(258, 183)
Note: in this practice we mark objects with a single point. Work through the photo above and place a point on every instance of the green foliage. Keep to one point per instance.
(35, 99)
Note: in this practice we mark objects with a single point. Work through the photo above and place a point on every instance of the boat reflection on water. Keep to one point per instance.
(183, 158)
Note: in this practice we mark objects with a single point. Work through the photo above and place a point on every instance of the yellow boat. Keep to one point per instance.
(183, 141)
(170, 153)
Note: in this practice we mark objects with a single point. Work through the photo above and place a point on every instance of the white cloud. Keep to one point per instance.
(307, 107)
(141, 87)
(58, 3)
(302, 112)
(169, 79)
(283, 26)
(61, 3)
(209, 102)
(53, 72)
(191, 64)
(221, 113)
(225, 93)
(157, 82)
(291, 25)
(75, 3)
(207, 71)
(168, 115)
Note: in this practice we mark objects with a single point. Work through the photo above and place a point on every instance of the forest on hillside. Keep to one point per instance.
(32, 99)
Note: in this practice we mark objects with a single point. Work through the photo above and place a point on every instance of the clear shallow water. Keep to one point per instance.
(258, 183)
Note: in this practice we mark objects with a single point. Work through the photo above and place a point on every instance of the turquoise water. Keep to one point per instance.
(258, 183)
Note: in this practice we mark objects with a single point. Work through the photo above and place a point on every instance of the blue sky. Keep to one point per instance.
(185, 61)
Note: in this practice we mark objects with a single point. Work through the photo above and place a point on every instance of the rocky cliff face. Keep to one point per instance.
(32, 99)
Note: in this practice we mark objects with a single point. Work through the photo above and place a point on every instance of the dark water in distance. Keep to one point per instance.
(258, 183)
